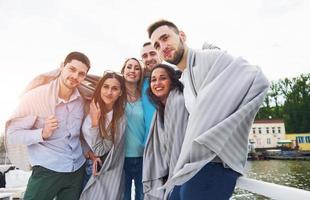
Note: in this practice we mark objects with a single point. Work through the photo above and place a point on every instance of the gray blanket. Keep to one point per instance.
(39, 102)
(229, 93)
(39, 99)
(163, 146)
(109, 184)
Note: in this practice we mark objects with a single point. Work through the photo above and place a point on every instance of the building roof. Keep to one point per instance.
(270, 121)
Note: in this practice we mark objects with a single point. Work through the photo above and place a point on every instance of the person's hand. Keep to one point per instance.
(97, 164)
(91, 155)
(50, 125)
(94, 112)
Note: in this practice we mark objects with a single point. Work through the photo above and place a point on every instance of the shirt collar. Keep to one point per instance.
(75, 95)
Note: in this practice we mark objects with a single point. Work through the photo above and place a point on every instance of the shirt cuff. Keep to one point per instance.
(37, 135)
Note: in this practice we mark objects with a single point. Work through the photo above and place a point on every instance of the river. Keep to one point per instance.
(293, 173)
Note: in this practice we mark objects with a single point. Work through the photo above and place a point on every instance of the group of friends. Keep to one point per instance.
(178, 132)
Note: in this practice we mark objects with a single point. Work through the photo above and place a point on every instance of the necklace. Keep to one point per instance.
(131, 93)
(132, 96)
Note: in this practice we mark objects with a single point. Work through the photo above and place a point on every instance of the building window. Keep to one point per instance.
(307, 139)
(267, 130)
(259, 130)
(273, 130)
(253, 130)
(300, 139)
(258, 141)
(279, 129)
(268, 141)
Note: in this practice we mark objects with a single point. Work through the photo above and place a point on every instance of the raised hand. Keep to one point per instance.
(95, 113)
(50, 125)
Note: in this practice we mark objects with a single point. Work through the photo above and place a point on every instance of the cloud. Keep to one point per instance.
(279, 7)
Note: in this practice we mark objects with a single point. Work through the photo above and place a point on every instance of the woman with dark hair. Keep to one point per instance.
(135, 130)
(104, 129)
(167, 131)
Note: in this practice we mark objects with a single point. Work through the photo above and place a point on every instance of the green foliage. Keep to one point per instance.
(2, 148)
(289, 99)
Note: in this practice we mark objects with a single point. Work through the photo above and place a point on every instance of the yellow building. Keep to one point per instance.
(300, 139)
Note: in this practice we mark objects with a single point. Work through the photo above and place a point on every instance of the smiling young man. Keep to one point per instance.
(48, 121)
(222, 95)
(150, 59)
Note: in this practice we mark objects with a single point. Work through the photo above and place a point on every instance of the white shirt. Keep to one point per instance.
(188, 93)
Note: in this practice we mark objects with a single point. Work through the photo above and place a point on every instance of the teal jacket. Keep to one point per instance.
(148, 108)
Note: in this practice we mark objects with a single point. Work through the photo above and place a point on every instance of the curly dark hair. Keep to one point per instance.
(174, 76)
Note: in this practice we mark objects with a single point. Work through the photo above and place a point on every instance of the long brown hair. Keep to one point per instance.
(118, 107)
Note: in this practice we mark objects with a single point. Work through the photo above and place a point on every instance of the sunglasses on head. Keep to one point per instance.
(112, 72)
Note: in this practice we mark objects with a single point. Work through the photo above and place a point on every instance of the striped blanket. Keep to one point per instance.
(41, 102)
(163, 146)
(227, 93)
(109, 184)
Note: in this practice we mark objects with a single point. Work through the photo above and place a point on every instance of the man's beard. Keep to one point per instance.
(178, 54)
(67, 84)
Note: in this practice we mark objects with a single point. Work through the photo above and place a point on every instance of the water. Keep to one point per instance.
(293, 173)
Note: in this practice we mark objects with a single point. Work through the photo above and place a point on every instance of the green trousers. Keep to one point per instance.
(45, 184)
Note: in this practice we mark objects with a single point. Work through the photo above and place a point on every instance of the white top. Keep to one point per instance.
(91, 134)
(188, 93)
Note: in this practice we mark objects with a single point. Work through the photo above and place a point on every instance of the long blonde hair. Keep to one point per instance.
(140, 82)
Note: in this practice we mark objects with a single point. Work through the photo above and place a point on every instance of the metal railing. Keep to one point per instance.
(272, 190)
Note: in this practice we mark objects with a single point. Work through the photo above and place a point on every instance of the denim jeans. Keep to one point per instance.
(213, 181)
(88, 172)
(133, 171)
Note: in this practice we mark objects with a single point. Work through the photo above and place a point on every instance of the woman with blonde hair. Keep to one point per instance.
(135, 129)
(104, 129)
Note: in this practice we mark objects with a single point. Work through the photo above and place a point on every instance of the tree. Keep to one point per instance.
(2, 148)
(272, 106)
(297, 103)
(289, 99)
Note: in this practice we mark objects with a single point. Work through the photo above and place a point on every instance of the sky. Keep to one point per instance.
(36, 35)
